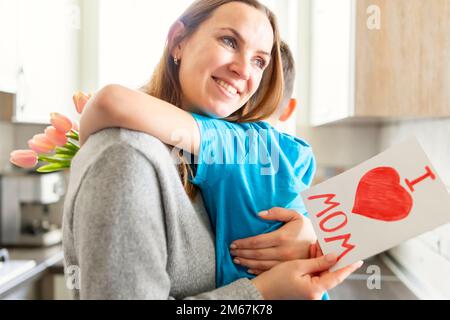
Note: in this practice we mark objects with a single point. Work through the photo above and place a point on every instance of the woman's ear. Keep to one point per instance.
(175, 33)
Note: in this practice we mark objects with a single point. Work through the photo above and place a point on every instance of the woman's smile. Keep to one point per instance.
(226, 89)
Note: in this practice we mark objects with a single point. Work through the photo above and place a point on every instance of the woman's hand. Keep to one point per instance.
(292, 241)
(298, 280)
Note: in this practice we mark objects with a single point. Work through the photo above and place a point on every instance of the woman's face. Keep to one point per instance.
(223, 62)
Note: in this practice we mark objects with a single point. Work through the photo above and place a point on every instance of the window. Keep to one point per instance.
(132, 35)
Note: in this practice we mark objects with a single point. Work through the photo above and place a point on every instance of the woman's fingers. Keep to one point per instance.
(280, 214)
(329, 280)
(319, 252)
(269, 239)
(261, 241)
(256, 272)
(256, 264)
(313, 251)
(258, 254)
(316, 265)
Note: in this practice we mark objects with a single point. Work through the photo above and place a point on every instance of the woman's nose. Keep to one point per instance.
(241, 67)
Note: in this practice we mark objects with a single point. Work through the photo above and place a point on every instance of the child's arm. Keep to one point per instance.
(117, 106)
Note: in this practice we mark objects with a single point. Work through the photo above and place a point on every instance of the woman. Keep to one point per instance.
(286, 280)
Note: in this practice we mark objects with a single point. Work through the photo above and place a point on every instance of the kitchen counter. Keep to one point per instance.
(356, 287)
(49, 261)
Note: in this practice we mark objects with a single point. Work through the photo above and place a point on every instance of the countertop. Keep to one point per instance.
(48, 260)
(357, 286)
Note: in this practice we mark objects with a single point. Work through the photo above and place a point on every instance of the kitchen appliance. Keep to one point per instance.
(24, 208)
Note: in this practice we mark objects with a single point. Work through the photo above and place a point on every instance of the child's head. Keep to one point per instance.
(223, 59)
(287, 105)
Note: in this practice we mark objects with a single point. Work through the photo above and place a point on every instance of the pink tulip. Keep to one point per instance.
(41, 144)
(80, 99)
(26, 159)
(54, 136)
(61, 123)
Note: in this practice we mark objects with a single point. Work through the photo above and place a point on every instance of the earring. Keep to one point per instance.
(175, 60)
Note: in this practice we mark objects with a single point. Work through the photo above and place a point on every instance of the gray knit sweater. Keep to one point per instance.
(131, 232)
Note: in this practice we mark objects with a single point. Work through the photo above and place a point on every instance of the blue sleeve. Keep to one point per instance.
(304, 169)
(307, 167)
(308, 172)
(221, 143)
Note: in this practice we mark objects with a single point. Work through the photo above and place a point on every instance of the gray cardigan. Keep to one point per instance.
(131, 232)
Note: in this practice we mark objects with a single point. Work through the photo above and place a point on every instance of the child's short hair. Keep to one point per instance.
(287, 60)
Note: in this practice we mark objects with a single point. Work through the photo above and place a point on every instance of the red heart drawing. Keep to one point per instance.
(380, 196)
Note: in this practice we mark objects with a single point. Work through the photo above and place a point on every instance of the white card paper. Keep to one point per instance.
(375, 206)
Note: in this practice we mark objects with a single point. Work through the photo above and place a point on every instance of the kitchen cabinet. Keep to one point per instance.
(48, 57)
(379, 59)
(8, 46)
(42, 59)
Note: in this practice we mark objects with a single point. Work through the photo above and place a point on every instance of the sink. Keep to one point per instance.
(12, 269)
(356, 286)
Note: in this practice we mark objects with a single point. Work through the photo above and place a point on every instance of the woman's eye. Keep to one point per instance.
(229, 42)
(261, 63)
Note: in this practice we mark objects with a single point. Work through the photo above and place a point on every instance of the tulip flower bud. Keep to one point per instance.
(41, 144)
(61, 123)
(80, 99)
(26, 159)
(56, 137)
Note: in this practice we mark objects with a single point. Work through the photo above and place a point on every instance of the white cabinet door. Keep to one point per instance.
(48, 59)
(8, 45)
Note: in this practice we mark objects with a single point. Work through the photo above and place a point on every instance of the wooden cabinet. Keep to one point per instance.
(399, 70)
(42, 56)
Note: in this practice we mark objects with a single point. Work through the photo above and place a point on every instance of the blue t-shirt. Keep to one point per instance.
(243, 169)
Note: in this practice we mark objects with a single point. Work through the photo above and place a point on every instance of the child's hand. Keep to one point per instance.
(292, 241)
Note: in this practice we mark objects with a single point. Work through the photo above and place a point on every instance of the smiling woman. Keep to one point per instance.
(228, 44)
(216, 63)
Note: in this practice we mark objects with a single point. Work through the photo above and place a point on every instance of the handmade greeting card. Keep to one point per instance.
(377, 205)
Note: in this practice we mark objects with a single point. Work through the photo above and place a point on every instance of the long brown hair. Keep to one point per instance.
(165, 83)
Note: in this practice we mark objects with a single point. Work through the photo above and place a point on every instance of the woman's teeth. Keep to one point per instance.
(232, 90)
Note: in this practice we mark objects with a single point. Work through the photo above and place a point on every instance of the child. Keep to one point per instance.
(242, 169)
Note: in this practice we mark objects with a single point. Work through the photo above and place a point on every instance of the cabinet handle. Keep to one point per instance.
(21, 89)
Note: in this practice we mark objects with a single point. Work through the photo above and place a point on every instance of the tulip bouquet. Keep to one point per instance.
(57, 146)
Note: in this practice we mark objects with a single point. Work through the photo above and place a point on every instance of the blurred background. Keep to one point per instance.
(369, 75)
